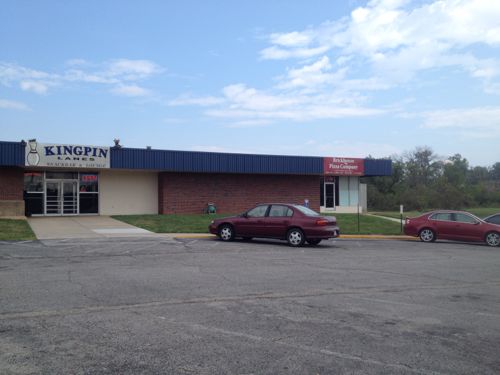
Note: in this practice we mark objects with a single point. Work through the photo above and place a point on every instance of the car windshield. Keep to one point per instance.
(306, 211)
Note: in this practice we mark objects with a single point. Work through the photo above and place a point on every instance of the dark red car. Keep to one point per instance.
(290, 222)
(452, 225)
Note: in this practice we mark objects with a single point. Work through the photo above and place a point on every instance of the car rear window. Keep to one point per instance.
(306, 211)
(464, 218)
(444, 216)
(280, 211)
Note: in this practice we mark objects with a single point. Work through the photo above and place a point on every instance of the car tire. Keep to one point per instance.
(295, 237)
(226, 232)
(492, 239)
(313, 242)
(427, 235)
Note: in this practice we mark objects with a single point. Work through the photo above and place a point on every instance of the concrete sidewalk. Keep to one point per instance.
(83, 227)
(386, 218)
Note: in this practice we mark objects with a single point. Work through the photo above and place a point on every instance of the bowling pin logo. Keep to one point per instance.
(33, 158)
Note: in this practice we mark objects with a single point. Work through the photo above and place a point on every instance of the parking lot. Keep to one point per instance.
(200, 306)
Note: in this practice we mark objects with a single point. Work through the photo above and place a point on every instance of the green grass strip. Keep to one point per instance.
(348, 223)
(15, 230)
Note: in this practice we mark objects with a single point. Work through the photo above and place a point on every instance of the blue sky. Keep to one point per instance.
(328, 78)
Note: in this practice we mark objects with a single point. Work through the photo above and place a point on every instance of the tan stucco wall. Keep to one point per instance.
(128, 192)
(11, 208)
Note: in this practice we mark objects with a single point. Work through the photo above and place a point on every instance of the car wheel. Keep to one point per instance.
(313, 242)
(295, 237)
(226, 232)
(427, 235)
(492, 239)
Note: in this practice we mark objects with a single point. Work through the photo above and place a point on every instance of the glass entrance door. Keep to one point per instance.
(53, 198)
(70, 197)
(61, 197)
(329, 195)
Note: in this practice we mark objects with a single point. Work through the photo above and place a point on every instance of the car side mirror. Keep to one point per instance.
(477, 222)
(244, 214)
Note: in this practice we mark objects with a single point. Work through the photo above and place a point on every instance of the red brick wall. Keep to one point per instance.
(11, 183)
(232, 193)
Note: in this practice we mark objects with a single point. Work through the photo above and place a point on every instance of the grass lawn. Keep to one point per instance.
(348, 223)
(171, 223)
(478, 211)
(15, 230)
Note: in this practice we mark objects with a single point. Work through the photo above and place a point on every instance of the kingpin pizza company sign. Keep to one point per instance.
(66, 156)
(344, 166)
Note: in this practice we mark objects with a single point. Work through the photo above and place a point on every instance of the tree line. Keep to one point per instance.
(421, 180)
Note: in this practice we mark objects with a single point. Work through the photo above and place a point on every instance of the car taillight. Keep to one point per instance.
(322, 222)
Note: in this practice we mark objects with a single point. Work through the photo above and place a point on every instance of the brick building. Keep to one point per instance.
(56, 179)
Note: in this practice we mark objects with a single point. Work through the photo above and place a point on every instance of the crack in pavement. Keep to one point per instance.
(307, 348)
(205, 300)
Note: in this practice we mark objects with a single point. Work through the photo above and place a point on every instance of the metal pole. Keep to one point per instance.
(401, 216)
(359, 226)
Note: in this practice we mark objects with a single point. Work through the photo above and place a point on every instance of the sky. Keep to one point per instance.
(319, 78)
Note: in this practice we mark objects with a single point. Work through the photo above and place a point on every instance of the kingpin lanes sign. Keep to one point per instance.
(66, 156)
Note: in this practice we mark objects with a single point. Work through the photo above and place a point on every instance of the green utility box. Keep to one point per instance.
(211, 209)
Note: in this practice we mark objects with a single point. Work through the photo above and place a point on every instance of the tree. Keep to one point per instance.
(421, 181)
(422, 166)
(495, 172)
(455, 171)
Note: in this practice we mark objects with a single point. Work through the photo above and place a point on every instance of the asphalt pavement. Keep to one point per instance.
(201, 306)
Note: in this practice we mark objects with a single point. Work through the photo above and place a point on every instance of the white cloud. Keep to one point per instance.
(290, 39)
(132, 69)
(248, 104)
(123, 74)
(204, 101)
(379, 46)
(11, 104)
(249, 123)
(130, 90)
(276, 53)
(480, 122)
(241, 96)
(245, 106)
(397, 38)
(313, 75)
(13, 73)
(38, 87)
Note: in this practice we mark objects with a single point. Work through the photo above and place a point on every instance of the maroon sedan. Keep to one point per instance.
(452, 225)
(290, 222)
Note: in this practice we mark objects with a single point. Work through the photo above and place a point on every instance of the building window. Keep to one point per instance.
(33, 193)
(89, 183)
(89, 193)
(33, 182)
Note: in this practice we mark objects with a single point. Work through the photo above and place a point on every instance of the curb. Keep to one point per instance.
(343, 236)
